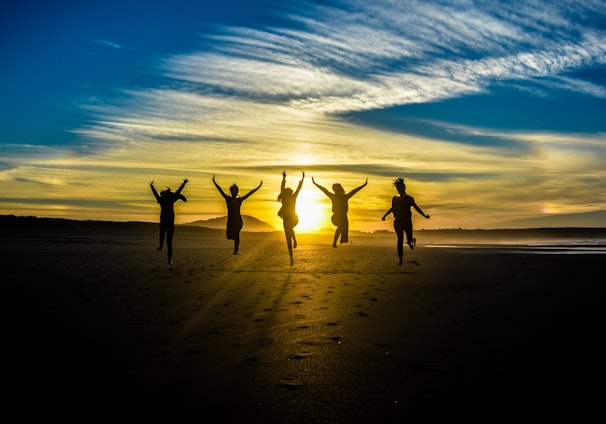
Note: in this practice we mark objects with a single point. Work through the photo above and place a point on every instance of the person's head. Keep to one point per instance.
(234, 190)
(337, 188)
(163, 192)
(287, 192)
(400, 186)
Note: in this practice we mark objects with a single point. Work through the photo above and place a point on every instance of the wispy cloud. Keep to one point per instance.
(393, 53)
(107, 43)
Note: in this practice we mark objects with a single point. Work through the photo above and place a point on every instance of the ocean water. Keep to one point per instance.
(542, 247)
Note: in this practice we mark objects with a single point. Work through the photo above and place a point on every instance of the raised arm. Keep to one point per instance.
(300, 185)
(283, 185)
(247, 195)
(153, 189)
(181, 186)
(323, 189)
(219, 188)
(355, 190)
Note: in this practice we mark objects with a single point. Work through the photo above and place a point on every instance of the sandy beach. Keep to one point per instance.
(101, 325)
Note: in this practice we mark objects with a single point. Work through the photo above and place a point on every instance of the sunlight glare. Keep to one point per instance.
(313, 211)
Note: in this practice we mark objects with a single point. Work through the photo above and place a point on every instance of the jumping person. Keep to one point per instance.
(288, 212)
(234, 218)
(340, 207)
(167, 199)
(400, 207)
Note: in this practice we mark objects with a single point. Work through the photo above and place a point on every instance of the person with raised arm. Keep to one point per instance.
(288, 213)
(234, 218)
(167, 199)
(340, 207)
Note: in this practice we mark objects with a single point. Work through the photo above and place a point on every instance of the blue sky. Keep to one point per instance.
(492, 111)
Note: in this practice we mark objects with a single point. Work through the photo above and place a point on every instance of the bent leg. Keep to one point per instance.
(345, 230)
(409, 238)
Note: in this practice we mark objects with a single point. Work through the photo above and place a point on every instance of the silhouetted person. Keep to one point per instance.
(340, 207)
(288, 212)
(167, 199)
(234, 219)
(400, 207)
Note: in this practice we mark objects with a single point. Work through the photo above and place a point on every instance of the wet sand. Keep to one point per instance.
(99, 324)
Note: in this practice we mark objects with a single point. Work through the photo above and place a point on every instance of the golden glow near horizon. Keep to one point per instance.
(113, 183)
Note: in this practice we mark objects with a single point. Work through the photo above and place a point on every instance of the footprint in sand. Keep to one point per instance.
(290, 385)
(337, 339)
(298, 357)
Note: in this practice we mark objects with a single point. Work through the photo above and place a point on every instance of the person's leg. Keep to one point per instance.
(170, 231)
(292, 226)
(236, 243)
(344, 230)
(289, 238)
(409, 238)
(400, 243)
(336, 237)
(162, 232)
(289, 233)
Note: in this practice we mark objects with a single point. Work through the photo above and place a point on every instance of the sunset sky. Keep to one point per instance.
(492, 111)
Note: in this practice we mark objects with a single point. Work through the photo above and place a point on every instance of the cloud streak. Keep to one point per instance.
(108, 43)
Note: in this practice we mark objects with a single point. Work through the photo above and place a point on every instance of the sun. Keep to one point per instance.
(313, 209)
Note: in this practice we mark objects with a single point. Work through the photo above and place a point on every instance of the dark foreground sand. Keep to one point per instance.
(98, 325)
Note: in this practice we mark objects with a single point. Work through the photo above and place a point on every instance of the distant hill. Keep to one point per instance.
(251, 224)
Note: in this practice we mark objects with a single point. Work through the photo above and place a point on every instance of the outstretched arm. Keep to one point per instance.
(300, 185)
(324, 190)
(247, 195)
(387, 213)
(418, 209)
(283, 185)
(153, 189)
(181, 186)
(219, 188)
(355, 190)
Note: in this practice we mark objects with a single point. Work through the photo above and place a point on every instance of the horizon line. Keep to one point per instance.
(318, 232)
